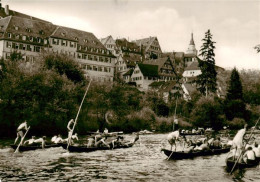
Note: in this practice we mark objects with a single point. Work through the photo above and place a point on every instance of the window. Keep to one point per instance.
(8, 55)
(85, 40)
(8, 44)
(55, 41)
(95, 58)
(17, 36)
(16, 45)
(24, 47)
(89, 57)
(105, 69)
(9, 35)
(24, 37)
(89, 67)
(63, 34)
(64, 43)
(39, 40)
(79, 56)
(99, 68)
(45, 41)
(94, 68)
(101, 59)
(41, 32)
(72, 44)
(28, 48)
(31, 39)
(83, 66)
(28, 30)
(36, 49)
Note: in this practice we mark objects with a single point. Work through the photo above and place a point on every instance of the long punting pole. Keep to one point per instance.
(21, 142)
(78, 114)
(244, 146)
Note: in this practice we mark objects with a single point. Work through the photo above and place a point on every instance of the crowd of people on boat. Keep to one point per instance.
(98, 139)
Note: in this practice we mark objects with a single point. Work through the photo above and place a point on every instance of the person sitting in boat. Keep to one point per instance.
(91, 142)
(101, 142)
(202, 147)
(72, 139)
(249, 156)
(59, 139)
(237, 142)
(256, 149)
(30, 141)
(105, 131)
(173, 137)
(22, 128)
(53, 138)
(216, 144)
(41, 140)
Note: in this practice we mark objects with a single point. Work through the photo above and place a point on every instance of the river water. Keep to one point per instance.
(143, 162)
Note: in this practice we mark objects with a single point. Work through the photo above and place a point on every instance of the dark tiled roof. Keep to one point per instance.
(18, 14)
(146, 42)
(22, 26)
(148, 70)
(127, 46)
(160, 61)
(193, 66)
(189, 87)
(130, 72)
(163, 86)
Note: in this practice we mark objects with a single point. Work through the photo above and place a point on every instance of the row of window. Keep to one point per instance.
(27, 38)
(25, 47)
(27, 58)
(121, 68)
(94, 58)
(137, 78)
(72, 44)
(96, 68)
(155, 48)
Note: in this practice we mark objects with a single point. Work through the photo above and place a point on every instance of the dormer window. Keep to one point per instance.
(17, 36)
(16, 27)
(76, 38)
(28, 30)
(63, 34)
(79, 47)
(24, 37)
(41, 32)
(85, 40)
(31, 39)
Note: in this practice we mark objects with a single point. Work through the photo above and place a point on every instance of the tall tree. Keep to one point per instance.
(234, 102)
(235, 90)
(207, 80)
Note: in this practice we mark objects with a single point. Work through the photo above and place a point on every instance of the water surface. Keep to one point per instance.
(143, 162)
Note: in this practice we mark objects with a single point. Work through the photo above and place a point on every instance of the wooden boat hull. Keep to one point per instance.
(240, 165)
(33, 147)
(184, 155)
(92, 149)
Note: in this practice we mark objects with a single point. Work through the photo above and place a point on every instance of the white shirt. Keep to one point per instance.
(250, 154)
(173, 135)
(257, 151)
(53, 138)
(238, 139)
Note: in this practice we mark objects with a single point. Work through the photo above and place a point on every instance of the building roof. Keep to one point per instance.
(24, 26)
(160, 61)
(129, 72)
(17, 14)
(190, 87)
(193, 66)
(163, 86)
(146, 42)
(128, 46)
(149, 70)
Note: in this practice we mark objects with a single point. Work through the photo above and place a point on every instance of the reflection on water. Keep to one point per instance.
(143, 162)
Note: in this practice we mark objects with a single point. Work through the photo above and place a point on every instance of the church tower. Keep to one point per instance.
(192, 49)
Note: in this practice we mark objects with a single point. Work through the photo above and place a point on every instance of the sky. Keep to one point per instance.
(235, 24)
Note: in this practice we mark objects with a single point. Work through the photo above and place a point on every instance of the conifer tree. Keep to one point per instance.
(235, 90)
(234, 102)
(207, 80)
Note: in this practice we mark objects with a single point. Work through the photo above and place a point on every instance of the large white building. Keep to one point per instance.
(31, 36)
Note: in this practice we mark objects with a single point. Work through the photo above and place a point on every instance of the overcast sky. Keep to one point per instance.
(235, 24)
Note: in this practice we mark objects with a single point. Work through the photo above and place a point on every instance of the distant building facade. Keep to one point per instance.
(31, 36)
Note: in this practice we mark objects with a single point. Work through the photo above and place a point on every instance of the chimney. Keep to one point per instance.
(6, 9)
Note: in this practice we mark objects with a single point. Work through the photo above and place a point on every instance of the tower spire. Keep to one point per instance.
(191, 40)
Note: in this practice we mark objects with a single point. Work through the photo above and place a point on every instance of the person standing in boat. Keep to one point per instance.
(70, 127)
(237, 143)
(175, 123)
(172, 137)
(22, 128)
